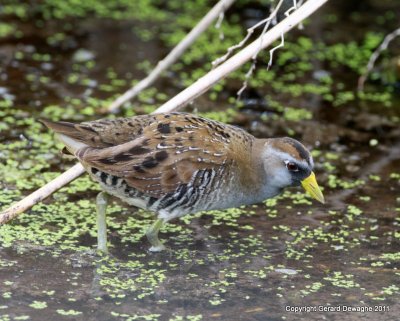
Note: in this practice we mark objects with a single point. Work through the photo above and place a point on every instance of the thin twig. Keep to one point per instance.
(250, 31)
(180, 100)
(271, 52)
(252, 68)
(267, 22)
(218, 25)
(173, 56)
(375, 55)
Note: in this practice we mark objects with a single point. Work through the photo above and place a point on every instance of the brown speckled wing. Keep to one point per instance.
(166, 152)
(104, 132)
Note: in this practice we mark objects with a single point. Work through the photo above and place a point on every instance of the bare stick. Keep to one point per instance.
(207, 81)
(375, 55)
(218, 25)
(271, 52)
(178, 101)
(162, 65)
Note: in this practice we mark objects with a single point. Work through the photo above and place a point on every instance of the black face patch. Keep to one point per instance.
(299, 175)
(164, 128)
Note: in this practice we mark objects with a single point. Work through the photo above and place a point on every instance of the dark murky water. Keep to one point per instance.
(255, 263)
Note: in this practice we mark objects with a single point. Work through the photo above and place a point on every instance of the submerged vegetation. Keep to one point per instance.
(69, 60)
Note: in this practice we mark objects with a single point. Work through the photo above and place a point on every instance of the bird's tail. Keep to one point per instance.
(69, 134)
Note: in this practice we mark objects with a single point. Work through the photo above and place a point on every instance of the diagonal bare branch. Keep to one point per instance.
(375, 55)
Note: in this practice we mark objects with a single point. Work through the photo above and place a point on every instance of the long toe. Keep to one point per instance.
(157, 248)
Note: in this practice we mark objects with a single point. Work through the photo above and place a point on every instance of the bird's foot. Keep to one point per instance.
(157, 248)
(102, 251)
(152, 236)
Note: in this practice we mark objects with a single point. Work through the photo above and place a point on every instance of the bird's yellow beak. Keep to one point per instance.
(311, 186)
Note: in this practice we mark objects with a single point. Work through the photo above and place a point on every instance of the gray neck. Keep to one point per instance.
(259, 187)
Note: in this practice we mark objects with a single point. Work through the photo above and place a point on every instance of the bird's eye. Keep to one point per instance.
(292, 167)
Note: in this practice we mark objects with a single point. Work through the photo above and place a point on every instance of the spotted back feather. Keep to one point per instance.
(156, 154)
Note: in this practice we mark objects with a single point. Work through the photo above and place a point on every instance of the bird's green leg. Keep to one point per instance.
(101, 203)
(152, 236)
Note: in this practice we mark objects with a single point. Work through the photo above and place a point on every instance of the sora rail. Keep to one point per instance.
(178, 163)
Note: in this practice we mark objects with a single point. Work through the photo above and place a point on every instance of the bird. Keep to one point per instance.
(177, 163)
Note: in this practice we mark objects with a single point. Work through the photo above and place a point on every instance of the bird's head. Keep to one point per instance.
(288, 163)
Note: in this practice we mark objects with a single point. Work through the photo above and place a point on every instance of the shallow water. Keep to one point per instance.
(256, 263)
